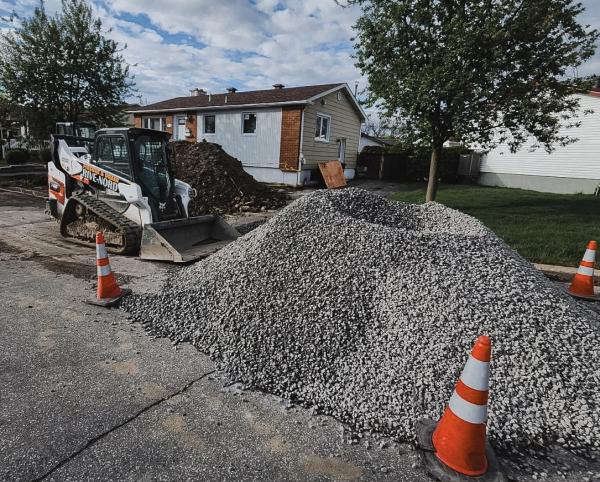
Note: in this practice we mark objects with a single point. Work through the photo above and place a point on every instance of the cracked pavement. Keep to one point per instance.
(86, 395)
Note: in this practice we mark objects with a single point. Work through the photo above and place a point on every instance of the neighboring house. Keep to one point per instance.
(126, 115)
(367, 140)
(574, 168)
(280, 135)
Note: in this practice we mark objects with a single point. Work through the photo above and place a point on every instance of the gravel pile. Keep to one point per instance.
(366, 309)
(222, 184)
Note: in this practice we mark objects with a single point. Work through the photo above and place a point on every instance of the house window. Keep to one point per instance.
(249, 123)
(209, 124)
(322, 131)
(156, 123)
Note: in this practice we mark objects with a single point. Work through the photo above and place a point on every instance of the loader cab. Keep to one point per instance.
(79, 130)
(141, 156)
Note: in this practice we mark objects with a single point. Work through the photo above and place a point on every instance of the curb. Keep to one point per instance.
(560, 273)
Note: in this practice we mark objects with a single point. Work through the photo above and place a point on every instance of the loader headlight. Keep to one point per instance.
(192, 193)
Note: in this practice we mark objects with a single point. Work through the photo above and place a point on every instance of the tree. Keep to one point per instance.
(379, 126)
(475, 71)
(63, 68)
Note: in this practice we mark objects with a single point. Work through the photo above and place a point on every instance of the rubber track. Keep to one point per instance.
(131, 232)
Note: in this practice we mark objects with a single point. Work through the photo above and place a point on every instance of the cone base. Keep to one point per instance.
(437, 469)
(108, 302)
(594, 297)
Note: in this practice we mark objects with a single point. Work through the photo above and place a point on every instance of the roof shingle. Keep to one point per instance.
(254, 97)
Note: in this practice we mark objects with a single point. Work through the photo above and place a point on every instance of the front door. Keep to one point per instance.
(180, 129)
(342, 150)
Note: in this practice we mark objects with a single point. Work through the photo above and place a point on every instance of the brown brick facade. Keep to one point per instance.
(190, 124)
(291, 124)
(169, 122)
(137, 121)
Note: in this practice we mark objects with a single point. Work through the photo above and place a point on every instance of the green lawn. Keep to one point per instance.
(544, 228)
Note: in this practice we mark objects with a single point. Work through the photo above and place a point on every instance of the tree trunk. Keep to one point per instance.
(432, 184)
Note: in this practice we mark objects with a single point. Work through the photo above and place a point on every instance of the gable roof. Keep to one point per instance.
(254, 98)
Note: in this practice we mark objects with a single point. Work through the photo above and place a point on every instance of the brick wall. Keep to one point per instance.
(137, 121)
(190, 124)
(289, 152)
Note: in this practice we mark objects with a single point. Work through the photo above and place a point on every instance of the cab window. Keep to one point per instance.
(153, 166)
(111, 154)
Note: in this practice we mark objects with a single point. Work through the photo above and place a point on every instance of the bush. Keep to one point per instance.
(17, 156)
(44, 156)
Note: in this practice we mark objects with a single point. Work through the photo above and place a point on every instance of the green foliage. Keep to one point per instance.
(526, 220)
(473, 71)
(63, 68)
(17, 156)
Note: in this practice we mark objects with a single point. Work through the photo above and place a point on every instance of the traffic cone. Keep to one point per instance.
(582, 285)
(456, 448)
(108, 293)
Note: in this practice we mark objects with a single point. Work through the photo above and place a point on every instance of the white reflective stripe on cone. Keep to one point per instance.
(476, 374)
(590, 255)
(467, 411)
(104, 270)
(101, 251)
(584, 270)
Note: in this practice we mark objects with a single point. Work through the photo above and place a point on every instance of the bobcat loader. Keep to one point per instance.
(120, 182)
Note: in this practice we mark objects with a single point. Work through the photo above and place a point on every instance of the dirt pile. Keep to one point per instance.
(222, 184)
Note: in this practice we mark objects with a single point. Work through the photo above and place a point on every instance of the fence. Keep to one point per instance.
(30, 145)
(408, 166)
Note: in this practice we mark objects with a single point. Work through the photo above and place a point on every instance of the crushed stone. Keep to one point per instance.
(366, 309)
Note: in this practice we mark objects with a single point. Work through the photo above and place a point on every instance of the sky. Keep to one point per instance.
(174, 46)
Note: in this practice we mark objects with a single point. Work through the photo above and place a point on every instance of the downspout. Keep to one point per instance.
(300, 154)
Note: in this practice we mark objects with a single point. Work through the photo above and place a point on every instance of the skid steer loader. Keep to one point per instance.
(125, 188)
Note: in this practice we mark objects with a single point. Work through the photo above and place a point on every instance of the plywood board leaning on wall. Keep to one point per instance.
(333, 174)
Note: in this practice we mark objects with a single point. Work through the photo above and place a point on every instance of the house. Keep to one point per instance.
(371, 141)
(574, 168)
(280, 134)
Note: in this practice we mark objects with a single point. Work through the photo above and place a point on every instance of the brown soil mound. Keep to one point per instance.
(222, 184)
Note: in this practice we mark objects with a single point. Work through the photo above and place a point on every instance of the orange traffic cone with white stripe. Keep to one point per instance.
(109, 292)
(582, 285)
(456, 448)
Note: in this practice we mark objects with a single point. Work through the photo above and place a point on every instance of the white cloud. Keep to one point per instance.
(183, 44)
(234, 24)
(176, 45)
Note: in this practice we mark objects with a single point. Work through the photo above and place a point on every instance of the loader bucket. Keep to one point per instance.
(185, 240)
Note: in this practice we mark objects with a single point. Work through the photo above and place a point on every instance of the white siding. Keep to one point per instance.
(259, 150)
(580, 160)
(365, 141)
